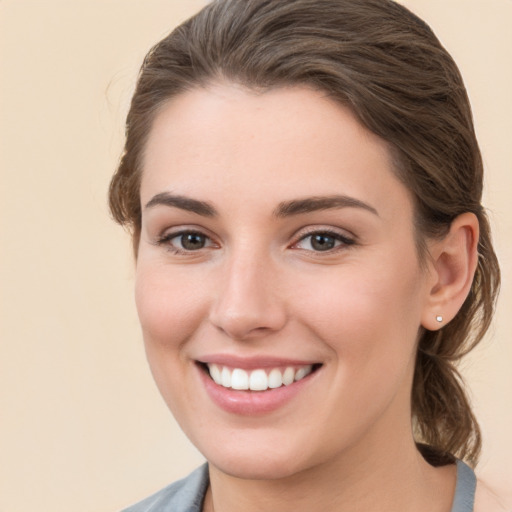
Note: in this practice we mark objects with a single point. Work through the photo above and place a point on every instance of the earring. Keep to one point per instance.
(439, 318)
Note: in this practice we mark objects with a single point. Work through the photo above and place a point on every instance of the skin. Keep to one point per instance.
(258, 287)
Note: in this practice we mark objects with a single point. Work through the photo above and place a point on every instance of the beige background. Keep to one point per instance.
(82, 427)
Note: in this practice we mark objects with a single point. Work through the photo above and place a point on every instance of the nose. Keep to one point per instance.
(248, 303)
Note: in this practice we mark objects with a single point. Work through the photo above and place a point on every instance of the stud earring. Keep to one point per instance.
(439, 318)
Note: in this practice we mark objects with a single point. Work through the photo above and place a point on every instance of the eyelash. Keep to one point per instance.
(343, 241)
(166, 240)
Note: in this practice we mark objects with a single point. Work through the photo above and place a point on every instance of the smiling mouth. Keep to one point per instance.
(257, 379)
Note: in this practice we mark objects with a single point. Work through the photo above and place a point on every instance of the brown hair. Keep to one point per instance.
(384, 63)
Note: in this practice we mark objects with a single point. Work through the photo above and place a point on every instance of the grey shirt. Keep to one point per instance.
(187, 495)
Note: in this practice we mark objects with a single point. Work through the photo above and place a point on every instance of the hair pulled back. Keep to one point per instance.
(387, 66)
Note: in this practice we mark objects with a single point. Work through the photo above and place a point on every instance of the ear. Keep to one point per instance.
(452, 267)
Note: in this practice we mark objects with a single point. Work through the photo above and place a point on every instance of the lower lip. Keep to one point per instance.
(252, 402)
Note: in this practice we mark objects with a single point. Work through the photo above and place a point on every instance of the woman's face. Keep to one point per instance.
(277, 244)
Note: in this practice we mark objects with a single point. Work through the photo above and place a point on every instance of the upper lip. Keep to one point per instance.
(253, 362)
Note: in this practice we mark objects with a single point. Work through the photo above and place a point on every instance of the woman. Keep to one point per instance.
(303, 185)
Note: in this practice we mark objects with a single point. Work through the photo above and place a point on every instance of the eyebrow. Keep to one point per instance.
(317, 203)
(284, 209)
(184, 203)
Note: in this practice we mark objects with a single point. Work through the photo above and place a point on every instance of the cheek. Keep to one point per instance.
(363, 298)
(371, 327)
(369, 318)
(169, 312)
(169, 304)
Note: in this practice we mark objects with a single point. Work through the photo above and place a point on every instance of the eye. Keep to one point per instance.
(191, 241)
(323, 241)
(186, 241)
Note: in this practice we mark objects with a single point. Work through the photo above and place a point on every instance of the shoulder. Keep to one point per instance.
(185, 495)
(486, 500)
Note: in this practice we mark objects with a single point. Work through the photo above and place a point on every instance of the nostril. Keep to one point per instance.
(248, 324)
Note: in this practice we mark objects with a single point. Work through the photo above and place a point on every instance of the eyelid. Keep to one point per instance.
(164, 239)
(179, 229)
(345, 238)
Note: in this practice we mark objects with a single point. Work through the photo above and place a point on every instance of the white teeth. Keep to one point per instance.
(275, 379)
(215, 373)
(225, 378)
(288, 376)
(302, 372)
(257, 380)
(239, 379)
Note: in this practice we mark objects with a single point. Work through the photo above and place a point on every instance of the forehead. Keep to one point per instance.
(281, 142)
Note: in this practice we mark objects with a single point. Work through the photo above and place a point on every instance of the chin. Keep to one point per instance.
(269, 459)
(261, 467)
